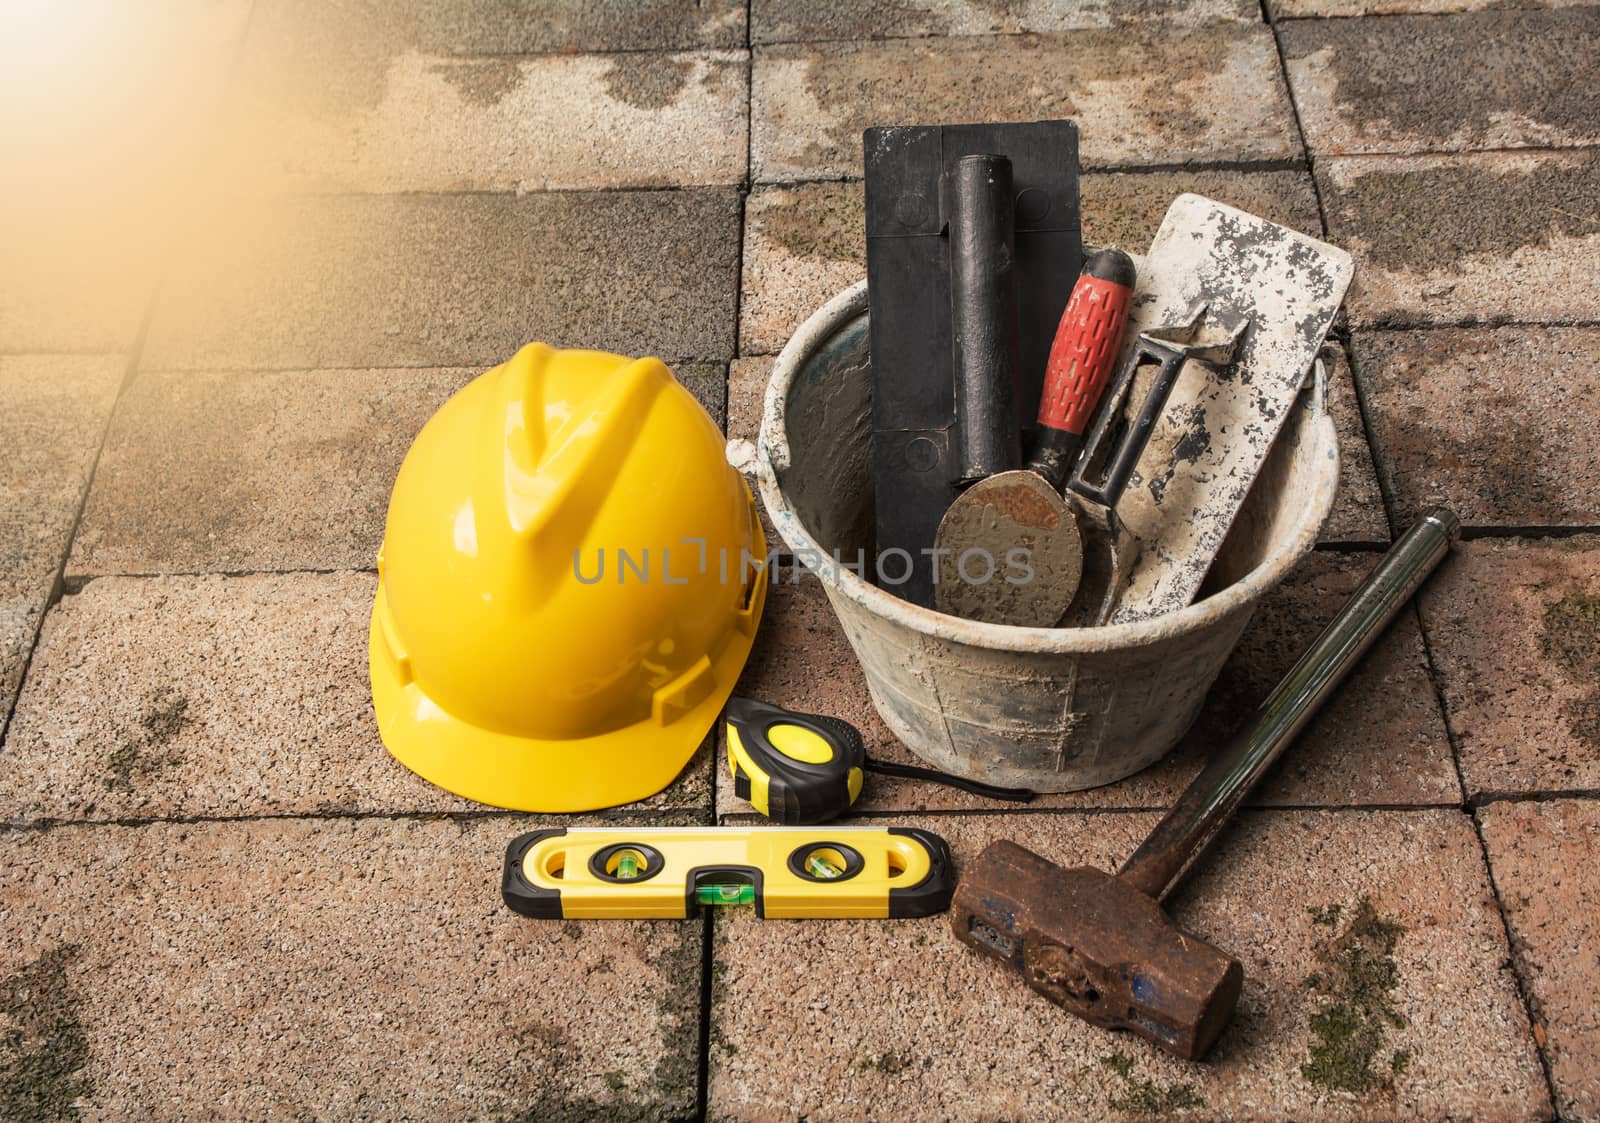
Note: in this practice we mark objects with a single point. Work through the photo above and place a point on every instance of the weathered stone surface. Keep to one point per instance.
(1358, 513)
(1506, 236)
(527, 124)
(802, 246)
(1413, 1012)
(106, 111)
(1381, 739)
(1292, 9)
(1497, 79)
(1125, 209)
(58, 297)
(1543, 856)
(708, 382)
(780, 21)
(53, 411)
(332, 968)
(495, 27)
(256, 470)
(1497, 424)
(1154, 96)
(452, 280)
(206, 472)
(747, 388)
(253, 702)
(1514, 626)
(805, 243)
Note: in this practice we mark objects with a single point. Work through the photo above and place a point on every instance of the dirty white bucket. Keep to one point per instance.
(1053, 709)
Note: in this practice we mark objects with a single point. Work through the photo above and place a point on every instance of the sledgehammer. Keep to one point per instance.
(1101, 945)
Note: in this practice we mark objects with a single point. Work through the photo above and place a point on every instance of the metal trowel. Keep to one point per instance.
(1008, 550)
(1260, 298)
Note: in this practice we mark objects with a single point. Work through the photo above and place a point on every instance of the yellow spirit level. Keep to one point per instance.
(670, 872)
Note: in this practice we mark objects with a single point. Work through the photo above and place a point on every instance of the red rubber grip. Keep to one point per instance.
(1084, 351)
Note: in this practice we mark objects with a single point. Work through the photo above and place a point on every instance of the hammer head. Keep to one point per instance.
(1092, 943)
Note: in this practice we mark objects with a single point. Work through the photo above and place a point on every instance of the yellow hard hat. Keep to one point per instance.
(569, 584)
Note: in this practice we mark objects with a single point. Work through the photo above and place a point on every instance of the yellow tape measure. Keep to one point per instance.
(671, 872)
(793, 767)
(807, 768)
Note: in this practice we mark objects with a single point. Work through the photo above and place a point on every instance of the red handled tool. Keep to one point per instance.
(1008, 549)
(1081, 360)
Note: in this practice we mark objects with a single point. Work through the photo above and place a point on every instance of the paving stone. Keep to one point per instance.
(1358, 512)
(56, 296)
(779, 21)
(496, 27)
(106, 109)
(452, 280)
(1500, 79)
(229, 472)
(253, 470)
(332, 968)
(905, 1022)
(1514, 627)
(254, 702)
(747, 392)
(805, 243)
(53, 411)
(1542, 856)
(1292, 9)
(1380, 739)
(1496, 424)
(1507, 236)
(802, 246)
(1145, 96)
(708, 382)
(747, 389)
(432, 123)
(1125, 209)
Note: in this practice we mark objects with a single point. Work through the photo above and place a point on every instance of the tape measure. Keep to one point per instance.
(793, 767)
(672, 872)
(808, 768)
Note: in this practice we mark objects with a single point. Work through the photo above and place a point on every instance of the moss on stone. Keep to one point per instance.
(1358, 975)
(140, 754)
(1571, 640)
(43, 1047)
(1572, 631)
(1143, 1096)
(1327, 915)
(890, 1064)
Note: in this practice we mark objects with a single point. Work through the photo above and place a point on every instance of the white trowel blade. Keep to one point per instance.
(1218, 426)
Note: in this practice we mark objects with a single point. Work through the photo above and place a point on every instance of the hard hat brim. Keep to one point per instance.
(531, 774)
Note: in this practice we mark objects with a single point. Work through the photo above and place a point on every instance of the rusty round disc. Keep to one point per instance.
(1008, 553)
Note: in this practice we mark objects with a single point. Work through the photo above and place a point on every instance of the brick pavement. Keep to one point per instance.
(219, 895)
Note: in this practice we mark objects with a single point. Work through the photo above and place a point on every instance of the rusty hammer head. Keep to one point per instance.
(1093, 943)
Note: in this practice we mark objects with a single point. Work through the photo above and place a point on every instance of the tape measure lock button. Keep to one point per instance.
(799, 743)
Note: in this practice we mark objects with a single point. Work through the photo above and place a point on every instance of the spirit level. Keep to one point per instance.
(785, 872)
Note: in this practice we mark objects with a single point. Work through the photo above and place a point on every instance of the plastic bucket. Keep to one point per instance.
(1054, 709)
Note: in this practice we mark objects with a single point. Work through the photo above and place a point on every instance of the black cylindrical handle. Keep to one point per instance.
(1209, 802)
(981, 211)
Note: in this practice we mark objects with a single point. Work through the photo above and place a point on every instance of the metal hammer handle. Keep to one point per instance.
(1180, 839)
